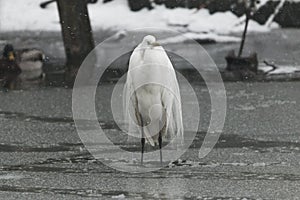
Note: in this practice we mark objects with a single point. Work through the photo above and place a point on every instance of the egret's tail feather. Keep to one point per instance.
(148, 137)
(150, 140)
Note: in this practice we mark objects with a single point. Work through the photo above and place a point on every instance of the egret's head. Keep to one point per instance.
(150, 40)
(9, 52)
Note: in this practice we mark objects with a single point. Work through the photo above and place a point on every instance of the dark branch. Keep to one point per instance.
(45, 4)
(274, 67)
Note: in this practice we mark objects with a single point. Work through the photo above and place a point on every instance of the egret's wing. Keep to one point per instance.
(129, 105)
(130, 98)
(172, 102)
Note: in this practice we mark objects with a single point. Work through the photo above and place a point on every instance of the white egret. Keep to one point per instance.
(151, 95)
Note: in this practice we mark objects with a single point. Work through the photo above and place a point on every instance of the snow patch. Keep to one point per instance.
(121, 196)
(244, 107)
(199, 36)
(9, 176)
(280, 69)
(20, 15)
(261, 164)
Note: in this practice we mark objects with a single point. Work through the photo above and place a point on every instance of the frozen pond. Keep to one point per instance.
(256, 157)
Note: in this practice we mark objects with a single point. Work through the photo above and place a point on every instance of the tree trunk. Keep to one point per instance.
(77, 34)
(136, 5)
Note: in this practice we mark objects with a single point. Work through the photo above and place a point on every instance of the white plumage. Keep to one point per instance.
(152, 97)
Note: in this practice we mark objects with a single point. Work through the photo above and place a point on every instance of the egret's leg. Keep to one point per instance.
(163, 126)
(160, 145)
(141, 123)
(142, 140)
(143, 146)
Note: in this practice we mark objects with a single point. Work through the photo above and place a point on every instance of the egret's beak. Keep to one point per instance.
(155, 44)
(11, 56)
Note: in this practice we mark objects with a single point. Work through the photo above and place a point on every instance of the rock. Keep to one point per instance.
(244, 67)
(264, 12)
(136, 5)
(289, 15)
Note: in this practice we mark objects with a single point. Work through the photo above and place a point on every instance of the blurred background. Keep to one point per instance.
(255, 46)
(57, 28)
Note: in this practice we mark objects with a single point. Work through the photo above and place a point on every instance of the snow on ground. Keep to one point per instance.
(121, 196)
(27, 15)
(9, 176)
(116, 15)
(185, 37)
(279, 70)
(161, 17)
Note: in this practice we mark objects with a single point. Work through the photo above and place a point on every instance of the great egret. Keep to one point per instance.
(152, 97)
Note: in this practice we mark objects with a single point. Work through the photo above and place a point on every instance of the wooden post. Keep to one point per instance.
(77, 34)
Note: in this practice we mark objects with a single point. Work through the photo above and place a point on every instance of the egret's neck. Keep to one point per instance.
(142, 48)
(143, 45)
